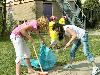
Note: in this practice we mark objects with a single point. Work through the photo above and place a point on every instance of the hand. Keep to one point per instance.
(26, 39)
(67, 45)
(42, 42)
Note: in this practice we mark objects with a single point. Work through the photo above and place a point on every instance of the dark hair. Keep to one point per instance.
(61, 30)
(55, 26)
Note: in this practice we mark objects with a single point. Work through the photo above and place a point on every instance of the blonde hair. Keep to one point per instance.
(43, 22)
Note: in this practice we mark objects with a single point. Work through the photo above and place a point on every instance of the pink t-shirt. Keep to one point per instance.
(16, 31)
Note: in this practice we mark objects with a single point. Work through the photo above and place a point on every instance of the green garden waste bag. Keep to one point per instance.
(46, 57)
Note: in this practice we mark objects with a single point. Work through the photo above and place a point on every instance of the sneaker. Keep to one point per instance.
(69, 66)
(95, 70)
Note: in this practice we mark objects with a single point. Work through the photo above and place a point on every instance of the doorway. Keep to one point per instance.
(47, 10)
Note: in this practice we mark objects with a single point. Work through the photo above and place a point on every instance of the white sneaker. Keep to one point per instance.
(95, 70)
(68, 66)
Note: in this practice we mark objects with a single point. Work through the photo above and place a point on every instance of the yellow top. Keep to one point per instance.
(62, 21)
(53, 35)
(51, 25)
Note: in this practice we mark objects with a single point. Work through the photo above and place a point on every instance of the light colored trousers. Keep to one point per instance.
(21, 49)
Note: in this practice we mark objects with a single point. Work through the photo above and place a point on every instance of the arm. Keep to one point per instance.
(24, 32)
(66, 39)
(37, 32)
(73, 36)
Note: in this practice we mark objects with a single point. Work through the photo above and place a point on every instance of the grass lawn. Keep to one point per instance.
(7, 54)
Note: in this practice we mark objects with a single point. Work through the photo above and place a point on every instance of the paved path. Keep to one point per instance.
(80, 68)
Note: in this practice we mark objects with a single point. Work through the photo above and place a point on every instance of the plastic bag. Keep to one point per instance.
(46, 57)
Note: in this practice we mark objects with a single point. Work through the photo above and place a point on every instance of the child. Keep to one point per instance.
(52, 22)
(61, 24)
(78, 36)
(53, 32)
(17, 37)
(64, 20)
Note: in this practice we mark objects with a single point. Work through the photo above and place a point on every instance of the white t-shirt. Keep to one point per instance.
(80, 32)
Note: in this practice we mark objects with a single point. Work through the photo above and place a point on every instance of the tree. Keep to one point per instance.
(3, 2)
(91, 11)
(79, 5)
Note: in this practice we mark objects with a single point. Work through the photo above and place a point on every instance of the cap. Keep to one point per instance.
(53, 17)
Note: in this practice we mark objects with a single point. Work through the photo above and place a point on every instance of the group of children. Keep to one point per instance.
(56, 30)
(73, 36)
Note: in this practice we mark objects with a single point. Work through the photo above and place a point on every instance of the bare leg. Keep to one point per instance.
(18, 68)
(30, 69)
